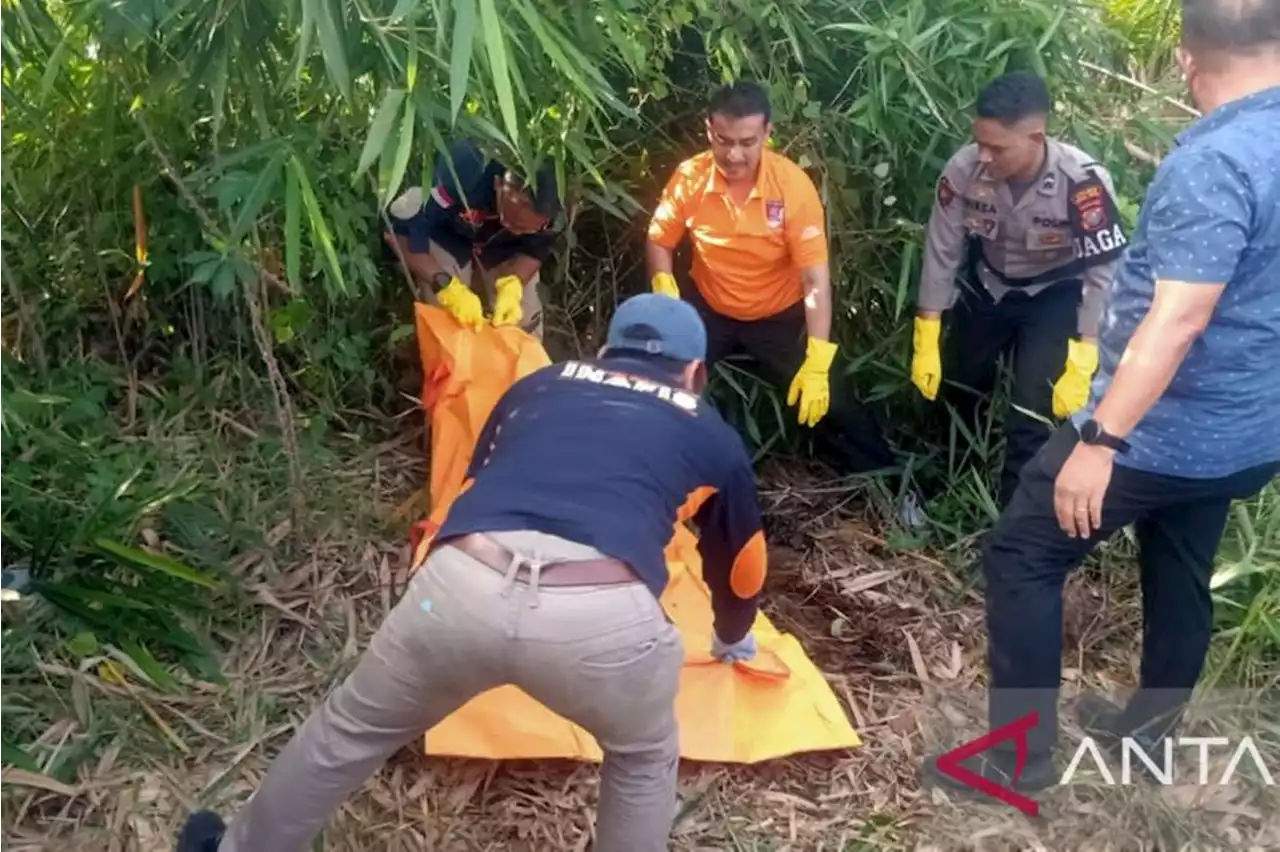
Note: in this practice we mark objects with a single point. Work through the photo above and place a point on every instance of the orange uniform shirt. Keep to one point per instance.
(746, 260)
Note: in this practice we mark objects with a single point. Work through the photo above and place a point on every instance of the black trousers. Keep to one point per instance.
(850, 432)
(1027, 557)
(1034, 331)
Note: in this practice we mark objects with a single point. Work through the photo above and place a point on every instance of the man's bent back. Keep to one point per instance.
(547, 574)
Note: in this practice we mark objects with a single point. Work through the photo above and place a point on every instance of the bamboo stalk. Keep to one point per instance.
(1124, 78)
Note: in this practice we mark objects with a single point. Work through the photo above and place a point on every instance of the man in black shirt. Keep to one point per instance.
(479, 213)
(547, 574)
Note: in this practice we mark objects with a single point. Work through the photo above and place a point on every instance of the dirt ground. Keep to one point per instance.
(895, 632)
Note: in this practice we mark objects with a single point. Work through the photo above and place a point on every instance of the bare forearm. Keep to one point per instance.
(657, 259)
(1148, 365)
(817, 300)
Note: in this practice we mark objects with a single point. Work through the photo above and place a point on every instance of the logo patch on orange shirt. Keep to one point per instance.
(773, 213)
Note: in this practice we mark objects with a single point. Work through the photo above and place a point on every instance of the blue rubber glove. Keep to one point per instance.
(741, 651)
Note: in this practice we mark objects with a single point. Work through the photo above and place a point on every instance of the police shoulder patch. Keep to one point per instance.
(1090, 205)
(946, 192)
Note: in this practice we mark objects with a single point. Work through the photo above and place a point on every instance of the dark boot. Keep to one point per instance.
(1100, 718)
(1038, 774)
(202, 833)
(1103, 720)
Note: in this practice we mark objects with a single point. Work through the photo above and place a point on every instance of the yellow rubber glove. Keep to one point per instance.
(457, 299)
(665, 283)
(508, 294)
(812, 384)
(1071, 391)
(926, 359)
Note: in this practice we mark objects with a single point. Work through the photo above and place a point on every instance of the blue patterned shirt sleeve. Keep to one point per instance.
(1199, 222)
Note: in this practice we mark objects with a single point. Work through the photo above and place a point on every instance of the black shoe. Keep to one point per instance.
(1100, 719)
(1104, 721)
(1037, 774)
(202, 833)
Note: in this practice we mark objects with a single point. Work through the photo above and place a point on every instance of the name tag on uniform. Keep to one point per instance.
(1046, 239)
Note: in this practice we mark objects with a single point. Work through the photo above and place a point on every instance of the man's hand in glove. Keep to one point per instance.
(1071, 391)
(926, 360)
(741, 651)
(509, 293)
(458, 300)
(665, 284)
(811, 386)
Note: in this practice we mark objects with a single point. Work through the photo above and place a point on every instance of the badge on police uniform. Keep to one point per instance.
(1088, 202)
(946, 192)
(1095, 221)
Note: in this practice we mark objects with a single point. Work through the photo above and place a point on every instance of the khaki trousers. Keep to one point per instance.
(604, 657)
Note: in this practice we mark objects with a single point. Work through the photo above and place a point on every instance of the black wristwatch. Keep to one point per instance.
(440, 280)
(1092, 433)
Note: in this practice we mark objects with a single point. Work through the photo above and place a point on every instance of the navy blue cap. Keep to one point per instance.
(658, 325)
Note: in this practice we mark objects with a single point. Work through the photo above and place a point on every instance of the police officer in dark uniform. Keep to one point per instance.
(1031, 224)
(478, 213)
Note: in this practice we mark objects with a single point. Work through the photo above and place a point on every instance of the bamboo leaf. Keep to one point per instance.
(319, 227)
(401, 162)
(13, 754)
(142, 658)
(1053, 28)
(328, 27)
(496, 50)
(464, 38)
(379, 129)
(292, 229)
(155, 561)
(95, 599)
(263, 187)
(554, 50)
(402, 8)
(306, 34)
(219, 89)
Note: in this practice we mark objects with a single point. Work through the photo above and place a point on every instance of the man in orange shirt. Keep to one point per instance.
(760, 275)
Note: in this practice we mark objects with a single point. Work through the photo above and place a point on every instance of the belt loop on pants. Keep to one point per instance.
(513, 568)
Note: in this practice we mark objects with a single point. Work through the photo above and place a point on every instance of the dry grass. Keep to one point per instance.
(891, 629)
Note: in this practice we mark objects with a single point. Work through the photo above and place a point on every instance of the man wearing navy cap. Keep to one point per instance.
(547, 574)
(478, 213)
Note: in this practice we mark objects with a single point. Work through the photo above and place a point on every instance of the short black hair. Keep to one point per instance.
(740, 100)
(1231, 26)
(1012, 97)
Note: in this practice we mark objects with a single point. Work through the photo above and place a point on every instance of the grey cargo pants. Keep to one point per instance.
(604, 657)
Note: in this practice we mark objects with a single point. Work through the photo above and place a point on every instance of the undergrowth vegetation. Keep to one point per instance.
(200, 322)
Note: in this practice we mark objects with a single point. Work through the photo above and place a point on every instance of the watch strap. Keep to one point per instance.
(1093, 433)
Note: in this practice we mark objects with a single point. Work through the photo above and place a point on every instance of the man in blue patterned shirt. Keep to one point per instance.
(1184, 415)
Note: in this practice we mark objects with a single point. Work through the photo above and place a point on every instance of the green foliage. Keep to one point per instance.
(1150, 29)
(74, 487)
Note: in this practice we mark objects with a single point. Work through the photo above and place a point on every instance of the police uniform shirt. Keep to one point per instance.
(1064, 226)
(460, 213)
